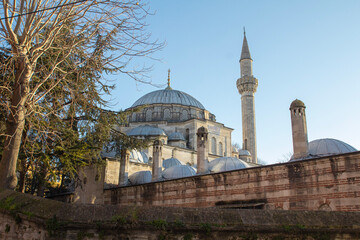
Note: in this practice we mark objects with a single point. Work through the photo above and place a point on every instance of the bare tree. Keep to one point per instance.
(28, 32)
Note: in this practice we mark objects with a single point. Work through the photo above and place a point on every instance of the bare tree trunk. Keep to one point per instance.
(23, 170)
(15, 123)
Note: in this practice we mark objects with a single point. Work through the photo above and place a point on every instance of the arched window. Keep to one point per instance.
(184, 115)
(166, 114)
(133, 117)
(221, 151)
(213, 145)
(148, 115)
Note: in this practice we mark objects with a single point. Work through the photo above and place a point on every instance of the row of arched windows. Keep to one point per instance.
(151, 115)
(214, 147)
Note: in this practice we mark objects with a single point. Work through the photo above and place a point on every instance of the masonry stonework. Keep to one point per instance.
(328, 183)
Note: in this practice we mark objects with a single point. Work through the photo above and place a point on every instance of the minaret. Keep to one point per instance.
(299, 129)
(247, 85)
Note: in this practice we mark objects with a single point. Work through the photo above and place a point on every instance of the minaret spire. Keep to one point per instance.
(168, 87)
(245, 52)
(247, 85)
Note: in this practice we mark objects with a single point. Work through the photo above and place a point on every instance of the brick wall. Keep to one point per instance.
(328, 183)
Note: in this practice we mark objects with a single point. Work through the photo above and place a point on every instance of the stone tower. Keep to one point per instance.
(157, 160)
(247, 85)
(299, 129)
(202, 150)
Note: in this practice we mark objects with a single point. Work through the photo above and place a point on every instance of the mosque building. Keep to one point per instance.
(188, 140)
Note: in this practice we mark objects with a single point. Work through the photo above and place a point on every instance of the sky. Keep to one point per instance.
(307, 50)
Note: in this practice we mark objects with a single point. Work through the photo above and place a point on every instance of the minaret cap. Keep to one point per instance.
(245, 52)
(296, 104)
(168, 87)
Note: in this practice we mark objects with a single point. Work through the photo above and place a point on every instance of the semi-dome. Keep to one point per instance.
(168, 96)
(329, 146)
(140, 177)
(176, 136)
(178, 171)
(167, 163)
(135, 155)
(146, 130)
(138, 156)
(226, 164)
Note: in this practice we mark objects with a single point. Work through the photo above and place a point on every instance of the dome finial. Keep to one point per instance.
(168, 87)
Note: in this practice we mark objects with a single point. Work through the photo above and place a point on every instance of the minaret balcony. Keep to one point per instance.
(247, 84)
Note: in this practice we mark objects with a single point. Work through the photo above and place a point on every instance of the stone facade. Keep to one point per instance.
(328, 183)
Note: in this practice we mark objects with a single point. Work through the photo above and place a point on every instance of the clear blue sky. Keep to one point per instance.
(308, 50)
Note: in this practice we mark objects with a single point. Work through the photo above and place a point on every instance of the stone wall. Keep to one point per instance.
(24, 216)
(328, 183)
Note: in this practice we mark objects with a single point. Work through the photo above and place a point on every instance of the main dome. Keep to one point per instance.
(168, 96)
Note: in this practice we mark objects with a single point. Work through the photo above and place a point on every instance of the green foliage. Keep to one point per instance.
(206, 227)
(188, 236)
(179, 224)
(52, 226)
(159, 224)
(69, 127)
(161, 237)
(7, 228)
(120, 219)
(321, 236)
(8, 204)
(81, 235)
(250, 236)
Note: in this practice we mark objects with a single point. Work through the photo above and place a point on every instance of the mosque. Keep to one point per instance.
(188, 141)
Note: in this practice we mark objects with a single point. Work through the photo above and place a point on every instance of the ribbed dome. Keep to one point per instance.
(146, 130)
(244, 152)
(297, 103)
(168, 96)
(140, 177)
(176, 136)
(329, 146)
(226, 164)
(167, 163)
(178, 171)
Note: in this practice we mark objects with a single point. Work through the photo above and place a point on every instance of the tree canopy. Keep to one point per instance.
(53, 58)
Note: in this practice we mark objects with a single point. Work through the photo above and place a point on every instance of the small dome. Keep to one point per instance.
(176, 136)
(297, 103)
(140, 177)
(168, 96)
(244, 152)
(139, 157)
(226, 164)
(167, 163)
(146, 130)
(329, 146)
(178, 171)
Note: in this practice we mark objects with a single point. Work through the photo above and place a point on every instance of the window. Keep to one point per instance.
(166, 114)
(148, 115)
(213, 145)
(221, 151)
(184, 115)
